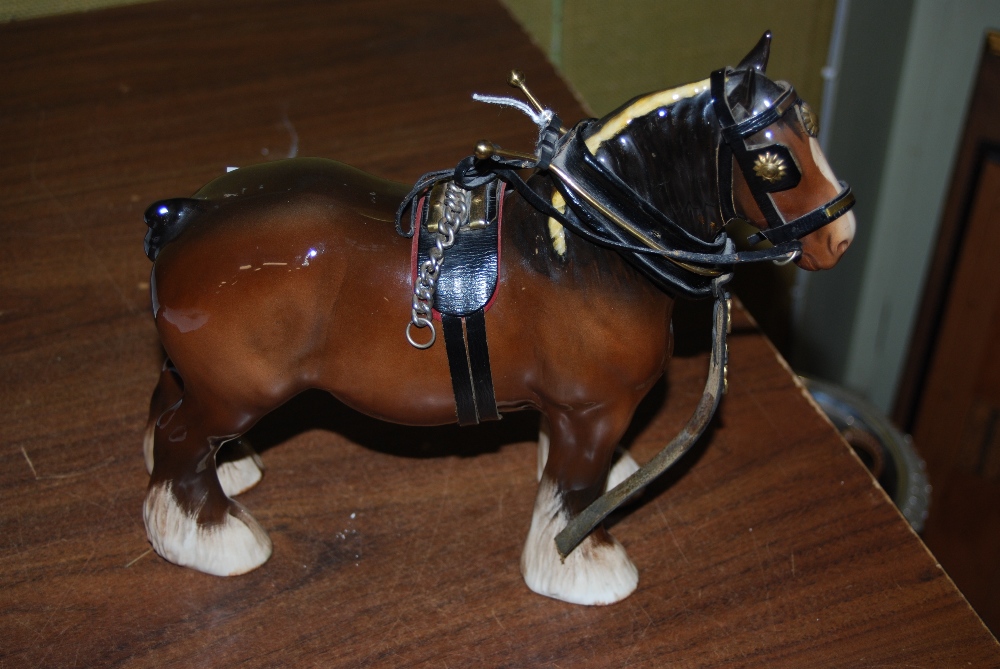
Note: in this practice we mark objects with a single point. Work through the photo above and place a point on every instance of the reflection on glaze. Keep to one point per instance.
(185, 320)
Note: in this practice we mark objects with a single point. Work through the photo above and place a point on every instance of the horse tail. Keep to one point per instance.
(166, 220)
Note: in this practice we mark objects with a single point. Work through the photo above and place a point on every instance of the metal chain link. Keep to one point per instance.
(457, 202)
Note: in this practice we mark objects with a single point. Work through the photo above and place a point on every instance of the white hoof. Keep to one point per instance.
(242, 470)
(624, 467)
(594, 573)
(235, 546)
(543, 448)
(147, 446)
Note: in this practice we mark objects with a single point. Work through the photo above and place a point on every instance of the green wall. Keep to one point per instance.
(612, 51)
(27, 9)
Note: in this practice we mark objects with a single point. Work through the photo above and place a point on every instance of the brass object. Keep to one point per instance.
(517, 80)
(477, 210)
(436, 211)
(769, 167)
(833, 210)
(485, 150)
(809, 120)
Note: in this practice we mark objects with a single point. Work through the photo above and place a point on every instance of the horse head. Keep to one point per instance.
(781, 182)
(736, 146)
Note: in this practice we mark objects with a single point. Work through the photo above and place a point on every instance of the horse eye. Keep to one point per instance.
(809, 120)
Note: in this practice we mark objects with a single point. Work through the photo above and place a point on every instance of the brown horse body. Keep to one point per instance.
(290, 276)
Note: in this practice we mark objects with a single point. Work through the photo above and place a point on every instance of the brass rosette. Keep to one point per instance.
(809, 119)
(770, 167)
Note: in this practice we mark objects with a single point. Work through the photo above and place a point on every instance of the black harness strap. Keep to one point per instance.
(469, 364)
(464, 285)
(458, 365)
(479, 365)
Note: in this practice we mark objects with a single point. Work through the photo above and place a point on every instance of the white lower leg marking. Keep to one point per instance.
(235, 546)
(624, 467)
(594, 573)
(543, 450)
(147, 446)
(242, 472)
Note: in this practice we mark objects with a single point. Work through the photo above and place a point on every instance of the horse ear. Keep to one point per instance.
(743, 92)
(757, 58)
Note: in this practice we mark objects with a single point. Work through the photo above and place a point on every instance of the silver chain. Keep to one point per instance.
(456, 214)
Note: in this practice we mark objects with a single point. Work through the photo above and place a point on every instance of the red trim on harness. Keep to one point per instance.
(415, 245)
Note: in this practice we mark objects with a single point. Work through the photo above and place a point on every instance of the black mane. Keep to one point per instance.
(668, 157)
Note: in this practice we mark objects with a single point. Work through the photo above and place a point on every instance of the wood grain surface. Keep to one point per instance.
(770, 545)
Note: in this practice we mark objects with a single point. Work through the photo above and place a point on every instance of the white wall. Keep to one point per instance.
(941, 56)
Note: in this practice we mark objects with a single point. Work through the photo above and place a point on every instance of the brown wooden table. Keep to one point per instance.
(769, 546)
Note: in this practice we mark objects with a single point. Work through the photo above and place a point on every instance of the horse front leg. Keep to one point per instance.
(581, 444)
(622, 466)
(190, 520)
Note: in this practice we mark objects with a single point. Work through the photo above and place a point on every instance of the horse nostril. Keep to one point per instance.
(842, 246)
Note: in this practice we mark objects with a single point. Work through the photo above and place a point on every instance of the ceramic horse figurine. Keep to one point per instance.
(288, 276)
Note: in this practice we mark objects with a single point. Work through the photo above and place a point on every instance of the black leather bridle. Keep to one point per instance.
(734, 145)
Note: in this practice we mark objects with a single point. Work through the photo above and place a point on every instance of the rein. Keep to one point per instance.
(584, 522)
(603, 210)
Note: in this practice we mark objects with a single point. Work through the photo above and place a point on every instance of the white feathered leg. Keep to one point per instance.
(596, 572)
(240, 469)
(235, 546)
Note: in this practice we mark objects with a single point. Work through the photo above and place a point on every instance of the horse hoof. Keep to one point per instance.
(595, 573)
(235, 546)
(240, 468)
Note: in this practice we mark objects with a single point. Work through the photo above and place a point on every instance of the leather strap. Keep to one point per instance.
(479, 366)
(458, 365)
(581, 525)
(469, 364)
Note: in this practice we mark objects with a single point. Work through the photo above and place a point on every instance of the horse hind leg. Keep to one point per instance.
(190, 520)
(599, 570)
(239, 467)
